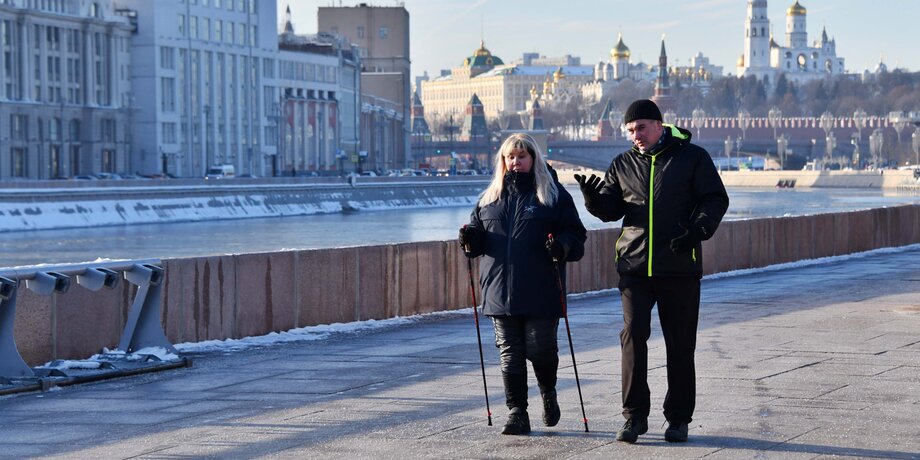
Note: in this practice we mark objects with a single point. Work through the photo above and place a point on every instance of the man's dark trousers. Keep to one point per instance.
(678, 300)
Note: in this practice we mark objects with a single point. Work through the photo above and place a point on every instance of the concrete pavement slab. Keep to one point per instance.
(812, 361)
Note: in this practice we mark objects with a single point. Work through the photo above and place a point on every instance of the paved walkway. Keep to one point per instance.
(805, 362)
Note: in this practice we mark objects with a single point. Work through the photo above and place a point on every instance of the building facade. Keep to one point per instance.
(206, 72)
(502, 89)
(318, 95)
(799, 61)
(382, 35)
(66, 98)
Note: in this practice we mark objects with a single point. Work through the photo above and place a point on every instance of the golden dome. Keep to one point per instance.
(558, 75)
(620, 50)
(741, 61)
(796, 10)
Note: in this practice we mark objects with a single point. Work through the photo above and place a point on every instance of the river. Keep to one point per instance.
(363, 228)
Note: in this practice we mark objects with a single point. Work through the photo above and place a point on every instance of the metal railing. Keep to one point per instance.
(142, 329)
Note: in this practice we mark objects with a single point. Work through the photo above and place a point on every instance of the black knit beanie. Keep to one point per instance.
(642, 109)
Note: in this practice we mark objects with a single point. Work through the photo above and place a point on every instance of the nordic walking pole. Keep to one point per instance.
(482, 362)
(568, 332)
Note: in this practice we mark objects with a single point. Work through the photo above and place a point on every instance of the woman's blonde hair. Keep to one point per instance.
(544, 183)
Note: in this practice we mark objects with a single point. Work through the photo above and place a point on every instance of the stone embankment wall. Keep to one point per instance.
(252, 294)
(54, 208)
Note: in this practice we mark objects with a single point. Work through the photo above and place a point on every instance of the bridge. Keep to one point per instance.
(806, 138)
(597, 154)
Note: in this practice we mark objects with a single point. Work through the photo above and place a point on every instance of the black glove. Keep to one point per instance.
(590, 187)
(688, 239)
(469, 236)
(556, 249)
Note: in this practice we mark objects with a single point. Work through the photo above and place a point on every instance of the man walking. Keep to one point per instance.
(671, 198)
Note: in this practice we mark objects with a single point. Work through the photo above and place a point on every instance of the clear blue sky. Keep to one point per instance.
(444, 32)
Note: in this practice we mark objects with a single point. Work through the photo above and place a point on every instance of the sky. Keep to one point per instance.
(444, 32)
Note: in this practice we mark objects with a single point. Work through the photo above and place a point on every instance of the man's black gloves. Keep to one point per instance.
(469, 238)
(556, 249)
(590, 187)
(688, 239)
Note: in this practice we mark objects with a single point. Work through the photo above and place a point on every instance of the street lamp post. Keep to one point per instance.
(916, 144)
(859, 120)
(898, 122)
(744, 122)
(781, 144)
(774, 116)
(669, 116)
(616, 120)
(876, 143)
(728, 151)
(826, 123)
(696, 120)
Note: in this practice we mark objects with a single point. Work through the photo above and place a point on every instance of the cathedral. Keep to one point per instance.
(799, 61)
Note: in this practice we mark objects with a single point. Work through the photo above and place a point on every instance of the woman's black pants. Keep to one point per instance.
(678, 300)
(521, 338)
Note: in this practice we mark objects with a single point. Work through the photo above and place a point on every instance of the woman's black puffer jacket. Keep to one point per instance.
(516, 271)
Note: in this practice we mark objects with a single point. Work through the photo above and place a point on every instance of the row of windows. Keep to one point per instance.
(244, 6)
(383, 32)
(302, 71)
(217, 30)
(50, 129)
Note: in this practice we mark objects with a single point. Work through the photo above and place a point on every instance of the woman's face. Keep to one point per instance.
(518, 160)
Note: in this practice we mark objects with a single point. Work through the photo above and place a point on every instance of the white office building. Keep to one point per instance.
(65, 89)
(201, 69)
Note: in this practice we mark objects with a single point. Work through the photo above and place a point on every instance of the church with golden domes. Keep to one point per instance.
(799, 61)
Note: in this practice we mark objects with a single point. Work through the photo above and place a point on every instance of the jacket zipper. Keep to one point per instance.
(514, 215)
(651, 212)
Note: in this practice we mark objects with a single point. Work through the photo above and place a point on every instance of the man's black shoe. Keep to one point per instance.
(518, 422)
(551, 411)
(632, 429)
(676, 432)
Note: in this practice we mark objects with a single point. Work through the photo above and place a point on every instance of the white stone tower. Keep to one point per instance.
(796, 34)
(757, 36)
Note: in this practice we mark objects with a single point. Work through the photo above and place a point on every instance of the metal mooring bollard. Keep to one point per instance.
(142, 329)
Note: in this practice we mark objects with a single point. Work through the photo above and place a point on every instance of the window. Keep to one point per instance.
(218, 33)
(168, 133)
(241, 34)
(182, 25)
(206, 29)
(268, 68)
(74, 130)
(19, 125)
(360, 31)
(19, 162)
(107, 128)
(167, 58)
(108, 160)
(384, 32)
(253, 34)
(75, 160)
(167, 94)
(193, 26)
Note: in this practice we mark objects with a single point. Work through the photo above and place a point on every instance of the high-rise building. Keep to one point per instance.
(66, 96)
(382, 35)
(204, 72)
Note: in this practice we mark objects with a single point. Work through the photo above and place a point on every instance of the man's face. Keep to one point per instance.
(644, 133)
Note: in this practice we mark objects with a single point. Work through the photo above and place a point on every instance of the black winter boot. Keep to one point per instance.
(518, 422)
(551, 412)
(632, 429)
